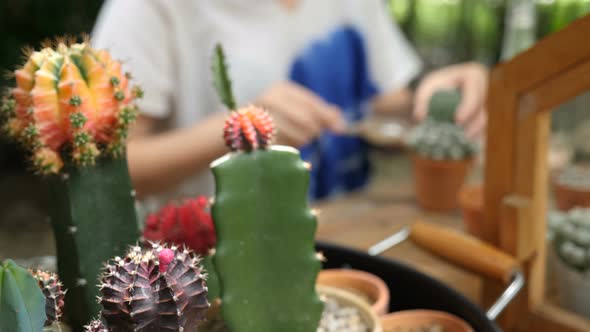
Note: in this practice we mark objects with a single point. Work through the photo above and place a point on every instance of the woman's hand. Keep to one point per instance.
(472, 79)
(299, 115)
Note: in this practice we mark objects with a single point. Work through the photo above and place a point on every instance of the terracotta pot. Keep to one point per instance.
(368, 286)
(350, 299)
(471, 203)
(567, 197)
(423, 318)
(437, 182)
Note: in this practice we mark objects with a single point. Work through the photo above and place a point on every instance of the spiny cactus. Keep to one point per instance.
(95, 326)
(264, 225)
(54, 295)
(69, 100)
(158, 289)
(188, 224)
(440, 141)
(570, 232)
(71, 109)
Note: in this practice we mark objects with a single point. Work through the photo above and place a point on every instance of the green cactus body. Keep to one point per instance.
(443, 105)
(213, 291)
(22, 304)
(265, 256)
(93, 218)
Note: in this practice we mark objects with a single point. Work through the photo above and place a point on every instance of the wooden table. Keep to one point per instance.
(361, 219)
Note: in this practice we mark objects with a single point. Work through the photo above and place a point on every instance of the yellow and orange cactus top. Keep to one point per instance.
(70, 102)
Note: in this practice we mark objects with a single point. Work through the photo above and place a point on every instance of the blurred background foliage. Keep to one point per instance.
(443, 31)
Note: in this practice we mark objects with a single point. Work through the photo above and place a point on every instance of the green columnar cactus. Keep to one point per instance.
(22, 304)
(265, 257)
(71, 108)
(570, 232)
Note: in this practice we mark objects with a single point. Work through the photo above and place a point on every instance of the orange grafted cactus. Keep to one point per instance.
(71, 103)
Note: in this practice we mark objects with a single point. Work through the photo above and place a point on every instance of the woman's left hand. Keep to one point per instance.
(472, 79)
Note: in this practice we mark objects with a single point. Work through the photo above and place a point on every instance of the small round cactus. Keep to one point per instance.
(247, 129)
(54, 295)
(440, 141)
(158, 289)
(71, 103)
(95, 326)
(570, 232)
(188, 224)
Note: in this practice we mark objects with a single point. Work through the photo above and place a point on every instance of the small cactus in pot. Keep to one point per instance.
(569, 234)
(161, 288)
(441, 154)
(70, 109)
(572, 187)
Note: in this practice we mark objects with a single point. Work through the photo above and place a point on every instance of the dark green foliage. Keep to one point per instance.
(93, 217)
(22, 304)
(265, 256)
(221, 79)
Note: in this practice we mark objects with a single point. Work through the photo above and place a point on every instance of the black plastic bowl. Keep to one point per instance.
(409, 288)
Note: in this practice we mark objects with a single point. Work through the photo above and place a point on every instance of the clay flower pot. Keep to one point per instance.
(366, 285)
(437, 182)
(471, 203)
(567, 197)
(349, 299)
(423, 318)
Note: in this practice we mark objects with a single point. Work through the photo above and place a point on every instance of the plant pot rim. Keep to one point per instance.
(349, 278)
(569, 188)
(442, 163)
(417, 317)
(351, 299)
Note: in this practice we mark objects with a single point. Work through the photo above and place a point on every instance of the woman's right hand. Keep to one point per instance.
(299, 114)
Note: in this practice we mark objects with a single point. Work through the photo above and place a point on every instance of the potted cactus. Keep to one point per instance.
(572, 187)
(570, 236)
(70, 109)
(30, 301)
(441, 154)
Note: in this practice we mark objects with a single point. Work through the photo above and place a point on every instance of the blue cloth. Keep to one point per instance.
(336, 69)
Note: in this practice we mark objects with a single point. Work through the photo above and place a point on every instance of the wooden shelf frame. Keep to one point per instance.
(522, 93)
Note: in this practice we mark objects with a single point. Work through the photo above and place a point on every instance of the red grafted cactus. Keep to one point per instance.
(188, 224)
(247, 129)
(137, 296)
(69, 99)
(54, 295)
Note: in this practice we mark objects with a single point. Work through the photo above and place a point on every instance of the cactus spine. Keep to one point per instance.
(54, 295)
(71, 109)
(265, 254)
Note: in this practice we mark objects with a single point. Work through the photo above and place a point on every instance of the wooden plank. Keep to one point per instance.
(550, 318)
(548, 57)
(554, 92)
(499, 170)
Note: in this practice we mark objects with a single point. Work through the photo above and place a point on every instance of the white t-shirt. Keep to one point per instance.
(167, 46)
